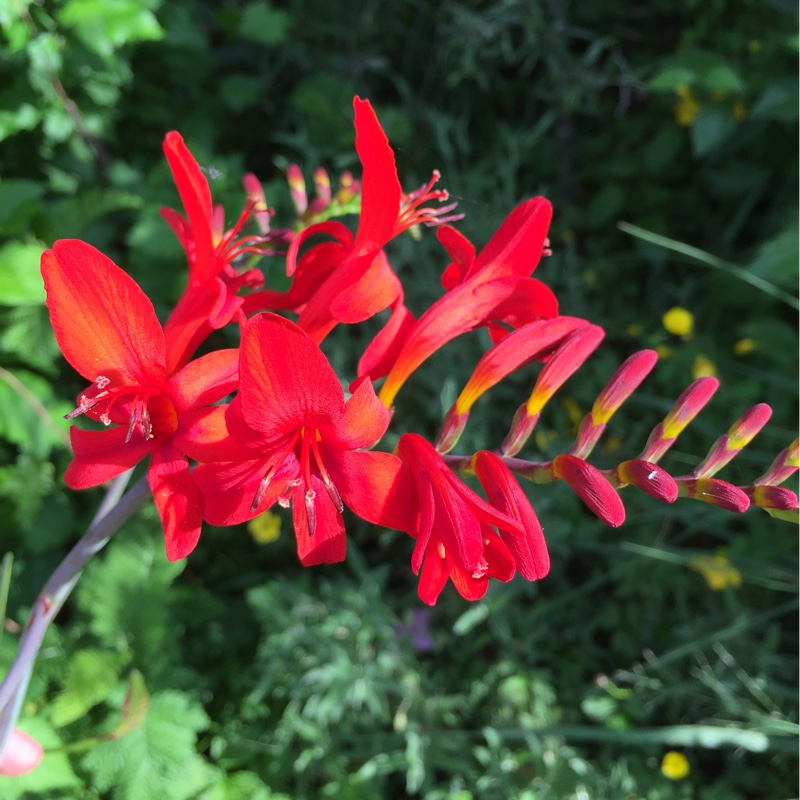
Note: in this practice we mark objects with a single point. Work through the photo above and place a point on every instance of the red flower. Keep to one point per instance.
(349, 279)
(493, 289)
(108, 331)
(209, 300)
(296, 441)
(453, 528)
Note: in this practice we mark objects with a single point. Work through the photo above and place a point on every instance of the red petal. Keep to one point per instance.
(377, 488)
(196, 198)
(286, 381)
(228, 488)
(434, 575)
(377, 288)
(365, 418)
(177, 499)
(205, 380)
(380, 188)
(516, 248)
(339, 232)
(104, 323)
(461, 250)
(189, 323)
(592, 487)
(102, 455)
(504, 493)
(382, 351)
(465, 308)
(469, 587)
(203, 434)
(328, 545)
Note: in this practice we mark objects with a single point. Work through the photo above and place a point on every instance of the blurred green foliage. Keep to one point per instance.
(240, 674)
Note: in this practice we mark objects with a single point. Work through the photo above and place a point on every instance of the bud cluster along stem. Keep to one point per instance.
(232, 432)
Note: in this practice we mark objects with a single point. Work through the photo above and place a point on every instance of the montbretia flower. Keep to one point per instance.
(290, 437)
(107, 329)
(454, 528)
(492, 289)
(349, 279)
(210, 299)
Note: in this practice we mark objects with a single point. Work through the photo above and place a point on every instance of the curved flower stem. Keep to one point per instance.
(113, 512)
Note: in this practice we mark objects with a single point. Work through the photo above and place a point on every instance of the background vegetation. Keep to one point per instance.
(241, 674)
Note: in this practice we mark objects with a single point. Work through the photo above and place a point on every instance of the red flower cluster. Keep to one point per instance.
(233, 432)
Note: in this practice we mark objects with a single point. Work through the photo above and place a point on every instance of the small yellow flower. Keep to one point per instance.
(739, 110)
(718, 571)
(754, 45)
(703, 367)
(678, 321)
(686, 108)
(663, 351)
(674, 765)
(265, 528)
(744, 346)
(590, 277)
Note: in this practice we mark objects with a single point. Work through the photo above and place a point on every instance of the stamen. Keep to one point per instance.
(101, 381)
(440, 549)
(329, 485)
(481, 569)
(311, 511)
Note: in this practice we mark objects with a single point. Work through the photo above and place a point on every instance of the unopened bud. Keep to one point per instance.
(592, 487)
(650, 478)
(714, 492)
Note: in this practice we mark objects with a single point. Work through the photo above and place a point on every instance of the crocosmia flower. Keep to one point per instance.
(107, 329)
(290, 437)
(454, 528)
(210, 299)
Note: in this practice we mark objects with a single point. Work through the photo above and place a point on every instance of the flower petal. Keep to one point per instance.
(102, 455)
(328, 545)
(178, 500)
(377, 488)
(365, 418)
(104, 323)
(286, 382)
(196, 198)
(205, 380)
(380, 187)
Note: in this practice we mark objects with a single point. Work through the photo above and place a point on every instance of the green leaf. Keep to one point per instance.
(104, 26)
(712, 127)
(24, 416)
(26, 333)
(242, 784)
(20, 279)
(157, 759)
(90, 677)
(776, 259)
(265, 24)
(722, 78)
(670, 78)
(472, 617)
(19, 201)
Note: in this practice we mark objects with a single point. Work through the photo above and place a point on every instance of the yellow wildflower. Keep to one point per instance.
(744, 346)
(265, 528)
(634, 330)
(739, 110)
(663, 351)
(678, 321)
(687, 107)
(703, 367)
(674, 765)
(754, 45)
(718, 571)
